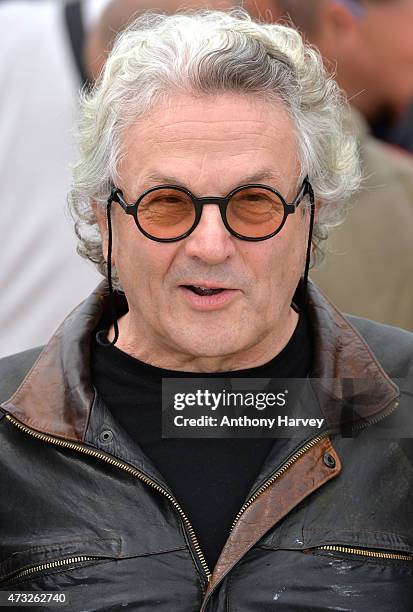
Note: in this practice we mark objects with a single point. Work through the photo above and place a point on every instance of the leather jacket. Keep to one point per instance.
(327, 524)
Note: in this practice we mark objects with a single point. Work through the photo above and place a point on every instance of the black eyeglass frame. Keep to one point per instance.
(116, 195)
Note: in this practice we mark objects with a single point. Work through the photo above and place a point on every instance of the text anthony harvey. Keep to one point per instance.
(245, 421)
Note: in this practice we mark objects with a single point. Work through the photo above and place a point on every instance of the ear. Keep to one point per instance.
(338, 26)
(101, 219)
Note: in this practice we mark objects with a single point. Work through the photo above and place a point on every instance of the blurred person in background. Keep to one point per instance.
(49, 50)
(41, 277)
(371, 43)
(382, 81)
(369, 47)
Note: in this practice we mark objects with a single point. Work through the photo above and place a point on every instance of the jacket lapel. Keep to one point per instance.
(56, 396)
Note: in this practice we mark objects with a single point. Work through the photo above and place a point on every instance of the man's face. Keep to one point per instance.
(384, 52)
(209, 145)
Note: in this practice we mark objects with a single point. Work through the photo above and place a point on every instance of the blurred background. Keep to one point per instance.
(52, 48)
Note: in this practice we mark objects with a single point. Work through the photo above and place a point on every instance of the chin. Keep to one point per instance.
(205, 343)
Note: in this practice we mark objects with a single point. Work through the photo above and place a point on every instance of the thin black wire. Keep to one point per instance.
(109, 274)
(310, 236)
(302, 290)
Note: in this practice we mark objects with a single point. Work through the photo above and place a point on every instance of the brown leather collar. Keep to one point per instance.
(57, 395)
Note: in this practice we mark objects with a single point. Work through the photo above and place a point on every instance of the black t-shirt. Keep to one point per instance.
(210, 478)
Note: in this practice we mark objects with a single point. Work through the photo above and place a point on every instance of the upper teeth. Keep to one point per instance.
(200, 289)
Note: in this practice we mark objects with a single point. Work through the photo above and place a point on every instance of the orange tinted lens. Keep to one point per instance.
(255, 212)
(166, 213)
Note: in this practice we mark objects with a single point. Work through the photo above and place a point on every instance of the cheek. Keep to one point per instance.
(292, 243)
(280, 262)
(124, 244)
(142, 264)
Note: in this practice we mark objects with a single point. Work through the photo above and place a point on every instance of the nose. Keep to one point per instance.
(210, 241)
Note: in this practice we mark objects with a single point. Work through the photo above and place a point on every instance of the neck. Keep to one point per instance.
(158, 353)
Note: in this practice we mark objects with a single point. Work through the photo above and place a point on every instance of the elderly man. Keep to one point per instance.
(212, 157)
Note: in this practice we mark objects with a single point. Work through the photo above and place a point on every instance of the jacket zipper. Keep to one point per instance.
(126, 468)
(367, 553)
(278, 473)
(41, 567)
(268, 483)
(301, 452)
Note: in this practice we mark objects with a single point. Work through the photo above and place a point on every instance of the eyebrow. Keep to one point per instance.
(157, 178)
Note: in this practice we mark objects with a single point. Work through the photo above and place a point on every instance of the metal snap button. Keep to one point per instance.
(106, 436)
(329, 460)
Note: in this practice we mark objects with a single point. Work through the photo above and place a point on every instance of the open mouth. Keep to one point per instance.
(199, 297)
(203, 290)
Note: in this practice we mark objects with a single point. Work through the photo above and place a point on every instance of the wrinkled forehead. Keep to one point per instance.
(210, 141)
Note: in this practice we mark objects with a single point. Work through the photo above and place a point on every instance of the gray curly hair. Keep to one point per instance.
(206, 52)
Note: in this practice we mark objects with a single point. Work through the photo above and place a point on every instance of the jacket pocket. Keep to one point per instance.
(34, 561)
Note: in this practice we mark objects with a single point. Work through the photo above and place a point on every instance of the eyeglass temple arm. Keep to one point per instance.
(305, 189)
(116, 195)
